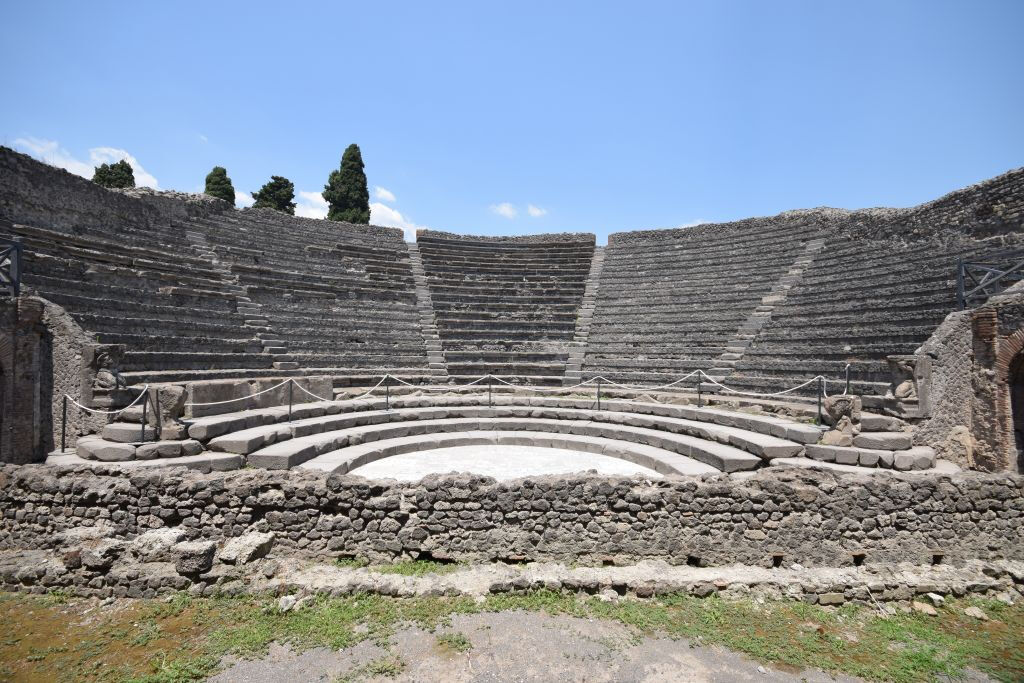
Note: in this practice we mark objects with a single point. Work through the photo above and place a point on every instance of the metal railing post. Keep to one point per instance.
(145, 416)
(387, 392)
(489, 378)
(700, 381)
(599, 393)
(64, 425)
(960, 284)
(291, 384)
(821, 389)
(847, 379)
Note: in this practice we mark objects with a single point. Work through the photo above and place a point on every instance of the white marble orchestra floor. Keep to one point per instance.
(500, 462)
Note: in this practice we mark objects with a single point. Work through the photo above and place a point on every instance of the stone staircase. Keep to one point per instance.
(735, 348)
(260, 326)
(578, 348)
(435, 356)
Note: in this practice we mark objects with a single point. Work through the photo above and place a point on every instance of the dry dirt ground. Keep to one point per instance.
(515, 646)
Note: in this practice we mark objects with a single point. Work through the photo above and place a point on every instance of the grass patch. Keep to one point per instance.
(183, 639)
(352, 562)
(415, 568)
(383, 667)
(454, 642)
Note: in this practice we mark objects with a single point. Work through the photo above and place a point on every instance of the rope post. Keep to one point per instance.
(145, 417)
(291, 384)
(64, 425)
(700, 381)
(599, 393)
(159, 413)
(489, 378)
(821, 390)
(387, 392)
(847, 379)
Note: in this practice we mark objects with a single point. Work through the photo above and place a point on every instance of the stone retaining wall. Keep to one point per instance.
(991, 207)
(574, 237)
(814, 518)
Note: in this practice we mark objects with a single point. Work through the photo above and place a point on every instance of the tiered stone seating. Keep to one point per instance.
(135, 286)
(670, 300)
(857, 303)
(326, 298)
(506, 306)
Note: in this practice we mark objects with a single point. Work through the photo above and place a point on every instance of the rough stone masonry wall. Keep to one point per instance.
(970, 413)
(994, 207)
(34, 193)
(815, 518)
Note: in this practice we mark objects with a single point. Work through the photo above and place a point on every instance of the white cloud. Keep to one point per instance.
(382, 214)
(52, 153)
(243, 199)
(108, 155)
(383, 194)
(311, 205)
(535, 211)
(699, 221)
(505, 209)
(203, 138)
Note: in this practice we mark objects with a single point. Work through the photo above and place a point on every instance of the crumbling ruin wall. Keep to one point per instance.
(41, 359)
(992, 210)
(814, 518)
(970, 413)
(48, 197)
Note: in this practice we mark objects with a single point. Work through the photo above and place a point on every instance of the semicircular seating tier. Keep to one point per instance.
(506, 306)
(197, 292)
(672, 439)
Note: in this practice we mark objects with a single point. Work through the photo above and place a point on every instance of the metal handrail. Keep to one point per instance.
(994, 278)
(10, 267)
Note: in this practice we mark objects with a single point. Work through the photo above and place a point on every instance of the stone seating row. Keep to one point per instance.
(665, 462)
(670, 304)
(522, 296)
(868, 300)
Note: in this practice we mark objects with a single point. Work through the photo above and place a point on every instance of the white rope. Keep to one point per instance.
(527, 387)
(755, 393)
(109, 412)
(647, 388)
(241, 398)
(302, 388)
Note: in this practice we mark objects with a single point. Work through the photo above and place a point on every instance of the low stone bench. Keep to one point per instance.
(343, 461)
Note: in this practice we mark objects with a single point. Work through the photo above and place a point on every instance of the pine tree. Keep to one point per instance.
(218, 185)
(276, 194)
(346, 191)
(116, 175)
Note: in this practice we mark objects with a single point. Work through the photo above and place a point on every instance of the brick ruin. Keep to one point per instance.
(284, 343)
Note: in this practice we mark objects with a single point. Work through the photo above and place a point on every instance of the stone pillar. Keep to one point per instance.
(21, 397)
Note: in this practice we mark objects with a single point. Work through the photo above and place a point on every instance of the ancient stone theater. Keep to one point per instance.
(826, 403)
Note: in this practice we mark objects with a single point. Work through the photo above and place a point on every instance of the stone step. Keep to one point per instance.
(892, 441)
(664, 462)
(870, 422)
(301, 449)
(919, 458)
(126, 432)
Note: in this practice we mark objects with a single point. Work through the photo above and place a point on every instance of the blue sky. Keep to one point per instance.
(600, 116)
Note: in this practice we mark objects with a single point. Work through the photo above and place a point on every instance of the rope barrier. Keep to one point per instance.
(755, 393)
(109, 412)
(241, 398)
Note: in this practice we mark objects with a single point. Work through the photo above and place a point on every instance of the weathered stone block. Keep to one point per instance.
(193, 557)
(247, 548)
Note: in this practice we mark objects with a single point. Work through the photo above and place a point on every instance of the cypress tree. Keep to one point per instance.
(276, 194)
(346, 192)
(116, 175)
(218, 185)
